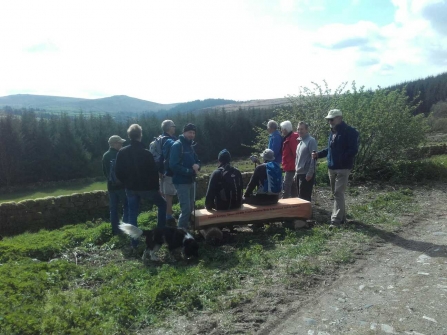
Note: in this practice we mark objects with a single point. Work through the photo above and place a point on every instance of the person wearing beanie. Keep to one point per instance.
(225, 186)
(185, 165)
(115, 189)
(267, 178)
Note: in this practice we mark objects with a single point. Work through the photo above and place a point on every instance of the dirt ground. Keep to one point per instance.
(397, 285)
(398, 288)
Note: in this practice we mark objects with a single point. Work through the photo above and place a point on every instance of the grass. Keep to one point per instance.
(80, 279)
(53, 191)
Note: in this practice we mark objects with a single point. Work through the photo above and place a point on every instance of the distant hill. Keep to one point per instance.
(114, 104)
(258, 104)
(191, 106)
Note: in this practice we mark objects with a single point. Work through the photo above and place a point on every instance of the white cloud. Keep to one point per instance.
(171, 51)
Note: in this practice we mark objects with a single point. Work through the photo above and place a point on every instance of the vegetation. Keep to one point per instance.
(36, 149)
(81, 279)
(385, 120)
(426, 92)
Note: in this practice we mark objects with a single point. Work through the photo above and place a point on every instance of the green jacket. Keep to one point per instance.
(106, 158)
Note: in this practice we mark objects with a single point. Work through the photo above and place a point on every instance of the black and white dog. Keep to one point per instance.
(172, 236)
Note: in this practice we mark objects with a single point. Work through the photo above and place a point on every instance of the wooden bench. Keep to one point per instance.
(292, 209)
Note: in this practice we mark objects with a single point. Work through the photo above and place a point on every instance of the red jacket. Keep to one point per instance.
(289, 145)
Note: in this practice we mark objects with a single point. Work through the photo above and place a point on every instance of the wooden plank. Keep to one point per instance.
(293, 208)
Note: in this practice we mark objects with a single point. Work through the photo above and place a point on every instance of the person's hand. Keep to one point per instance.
(160, 175)
(196, 167)
(314, 155)
(308, 178)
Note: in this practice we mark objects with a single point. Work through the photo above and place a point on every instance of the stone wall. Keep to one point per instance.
(54, 212)
(427, 151)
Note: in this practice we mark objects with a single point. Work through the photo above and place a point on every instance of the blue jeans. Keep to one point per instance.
(185, 194)
(154, 197)
(116, 197)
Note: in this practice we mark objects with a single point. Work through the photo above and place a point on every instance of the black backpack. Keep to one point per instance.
(231, 187)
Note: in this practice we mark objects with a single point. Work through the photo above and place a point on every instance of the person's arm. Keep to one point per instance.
(152, 168)
(276, 145)
(211, 192)
(105, 165)
(254, 181)
(175, 161)
(312, 147)
(353, 143)
(120, 167)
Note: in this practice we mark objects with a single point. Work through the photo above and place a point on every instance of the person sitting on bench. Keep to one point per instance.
(225, 186)
(268, 180)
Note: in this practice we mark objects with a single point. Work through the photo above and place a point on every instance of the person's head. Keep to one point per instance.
(268, 155)
(334, 117)
(168, 127)
(272, 126)
(224, 157)
(286, 127)
(116, 142)
(189, 131)
(303, 128)
(135, 132)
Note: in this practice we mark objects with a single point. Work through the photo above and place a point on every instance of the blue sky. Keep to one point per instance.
(179, 50)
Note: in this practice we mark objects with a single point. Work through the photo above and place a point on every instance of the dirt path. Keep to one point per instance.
(398, 288)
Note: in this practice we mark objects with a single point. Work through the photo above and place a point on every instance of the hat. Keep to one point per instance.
(268, 155)
(116, 139)
(189, 127)
(224, 156)
(333, 113)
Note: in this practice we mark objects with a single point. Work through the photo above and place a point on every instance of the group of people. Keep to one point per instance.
(170, 166)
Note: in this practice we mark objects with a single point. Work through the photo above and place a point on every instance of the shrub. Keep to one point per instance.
(384, 119)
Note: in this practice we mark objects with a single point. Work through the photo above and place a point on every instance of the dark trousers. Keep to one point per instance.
(261, 199)
(304, 187)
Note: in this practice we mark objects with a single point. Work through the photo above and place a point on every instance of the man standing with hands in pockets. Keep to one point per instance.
(340, 152)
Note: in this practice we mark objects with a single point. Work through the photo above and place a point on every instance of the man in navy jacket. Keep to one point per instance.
(185, 165)
(341, 151)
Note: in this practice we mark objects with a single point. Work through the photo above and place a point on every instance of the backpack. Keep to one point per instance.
(156, 148)
(231, 187)
(112, 175)
(273, 183)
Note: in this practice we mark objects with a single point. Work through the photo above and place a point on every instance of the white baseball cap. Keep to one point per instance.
(116, 139)
(333, 113)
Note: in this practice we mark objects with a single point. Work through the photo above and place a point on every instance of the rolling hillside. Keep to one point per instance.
(114, 104)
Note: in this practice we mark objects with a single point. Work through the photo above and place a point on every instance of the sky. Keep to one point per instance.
(171, 51)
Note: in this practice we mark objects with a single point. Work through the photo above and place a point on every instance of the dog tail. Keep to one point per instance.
(131, 230)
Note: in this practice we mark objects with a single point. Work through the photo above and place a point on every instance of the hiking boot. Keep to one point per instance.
(171, 222)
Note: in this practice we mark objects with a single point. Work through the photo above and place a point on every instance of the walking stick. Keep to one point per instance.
(194, 210)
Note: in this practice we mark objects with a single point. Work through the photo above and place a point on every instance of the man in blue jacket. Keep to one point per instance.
(275, 140)
(185, 165)
(340, 152)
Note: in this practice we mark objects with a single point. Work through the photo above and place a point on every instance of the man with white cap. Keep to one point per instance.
(267, 178)
(115, 188)
(340, 152)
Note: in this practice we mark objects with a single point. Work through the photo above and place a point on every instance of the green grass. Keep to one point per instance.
(53, 191)
(80, 279)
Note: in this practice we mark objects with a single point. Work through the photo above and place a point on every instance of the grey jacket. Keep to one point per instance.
(303, 162)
